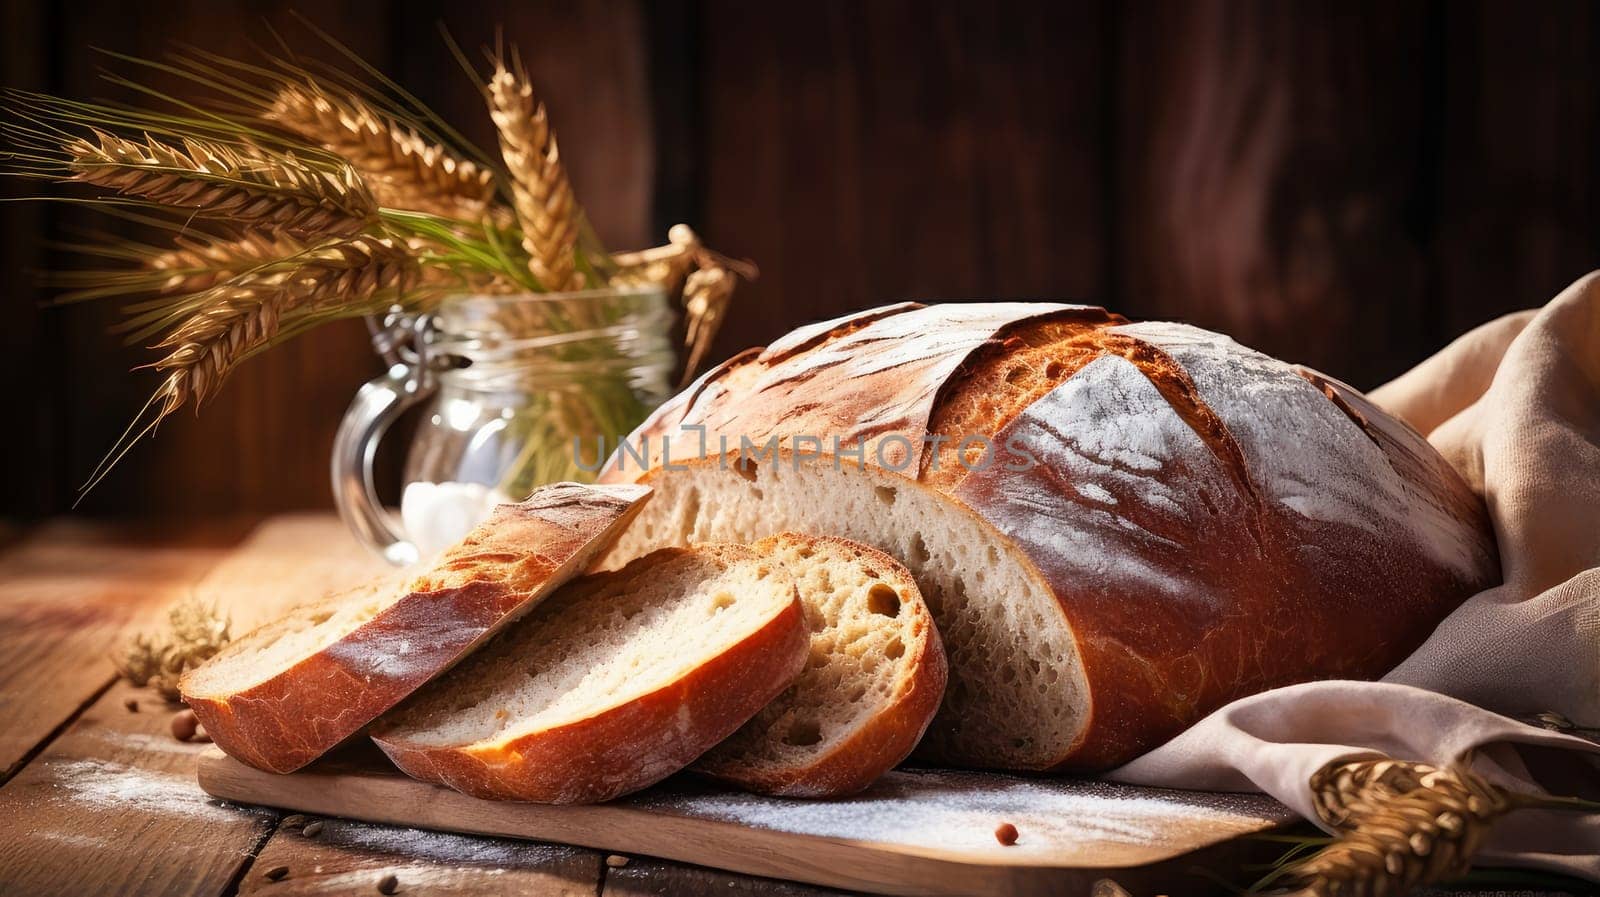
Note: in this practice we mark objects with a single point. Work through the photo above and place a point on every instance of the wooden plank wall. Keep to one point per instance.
(1343, 184)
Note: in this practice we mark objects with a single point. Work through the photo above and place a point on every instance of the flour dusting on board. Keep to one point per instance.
(943, 810)
(442, 847)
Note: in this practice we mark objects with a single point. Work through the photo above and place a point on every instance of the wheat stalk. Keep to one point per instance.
(200, 263)
(541, 194)
(405, 170)
(250, 186)
(243, 314)
(1403, 825)
(706, 293)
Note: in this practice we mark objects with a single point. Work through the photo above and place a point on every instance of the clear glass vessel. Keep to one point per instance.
(516, 391)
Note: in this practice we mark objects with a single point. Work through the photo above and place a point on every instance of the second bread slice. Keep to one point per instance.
(616, 682)
(871, 687)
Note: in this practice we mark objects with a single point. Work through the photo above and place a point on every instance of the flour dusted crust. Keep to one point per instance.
(278, 709)
(1207, 521)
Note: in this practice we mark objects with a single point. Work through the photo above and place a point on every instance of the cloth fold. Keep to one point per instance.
(1514, 405)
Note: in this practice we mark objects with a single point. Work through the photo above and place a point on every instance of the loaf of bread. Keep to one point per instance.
(282, 695)
(1118, 527)
(617, 681)
(870, 688)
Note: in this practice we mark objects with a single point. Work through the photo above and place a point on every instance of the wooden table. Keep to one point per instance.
(99, 799)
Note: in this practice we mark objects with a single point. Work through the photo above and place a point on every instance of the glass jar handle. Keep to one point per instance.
(378, 403)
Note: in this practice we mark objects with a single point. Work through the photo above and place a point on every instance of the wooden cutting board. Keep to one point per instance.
(914, 832)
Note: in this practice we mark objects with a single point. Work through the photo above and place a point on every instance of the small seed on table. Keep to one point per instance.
(388, 884)
(294, 819)
(1006, 834)
(132, 704)
(616, 861)
(312, 829)
(184, 725)
(276, 873)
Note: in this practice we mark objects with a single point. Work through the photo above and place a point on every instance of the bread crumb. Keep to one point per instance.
(616, 861)
(1006, 834)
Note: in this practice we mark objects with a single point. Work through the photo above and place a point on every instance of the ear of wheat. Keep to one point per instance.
(406, 171)
(248, 186)
(541, 194)
(198, 263)
(241, 315)
(1403, 825)
(295, 193)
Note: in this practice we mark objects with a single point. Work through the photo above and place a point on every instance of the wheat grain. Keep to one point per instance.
(1402, 825)
(541, 194)
(249, 186)
(244, 313)
(706, 293)
(405, 170)
(200, 263)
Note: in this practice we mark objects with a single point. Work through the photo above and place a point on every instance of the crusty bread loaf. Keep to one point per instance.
(870, 688)
(282, 695)
(617, 681)
(1162, 520)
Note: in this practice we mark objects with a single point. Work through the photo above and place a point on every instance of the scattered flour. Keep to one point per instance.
(442, 847)
(945, 810)
(103, 784)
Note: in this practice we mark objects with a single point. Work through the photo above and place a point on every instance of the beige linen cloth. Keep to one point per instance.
(1515, 406)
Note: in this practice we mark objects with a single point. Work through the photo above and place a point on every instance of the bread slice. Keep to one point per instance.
(618, 681)
(284, 694)
(871, 687)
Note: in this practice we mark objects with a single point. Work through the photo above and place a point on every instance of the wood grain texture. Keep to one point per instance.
(32, 461)
(1518, 214)
(645, 877)
(912, 833)
(863, 154)
(1267, 183)
(69, 593)
(110, 808)
(287, 560)
(349, 857)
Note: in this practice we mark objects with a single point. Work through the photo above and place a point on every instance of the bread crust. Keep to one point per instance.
(632, 745)
(1205, 563)
(887, 738)
(504, 567)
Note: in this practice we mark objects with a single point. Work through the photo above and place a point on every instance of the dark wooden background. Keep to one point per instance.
(1343, 184)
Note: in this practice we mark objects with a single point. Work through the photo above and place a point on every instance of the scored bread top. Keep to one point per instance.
(1181, 496)
(618, 680)
(278, 697)
(871, 685)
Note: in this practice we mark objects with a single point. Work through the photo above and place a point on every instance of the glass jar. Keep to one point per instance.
(517, 391)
